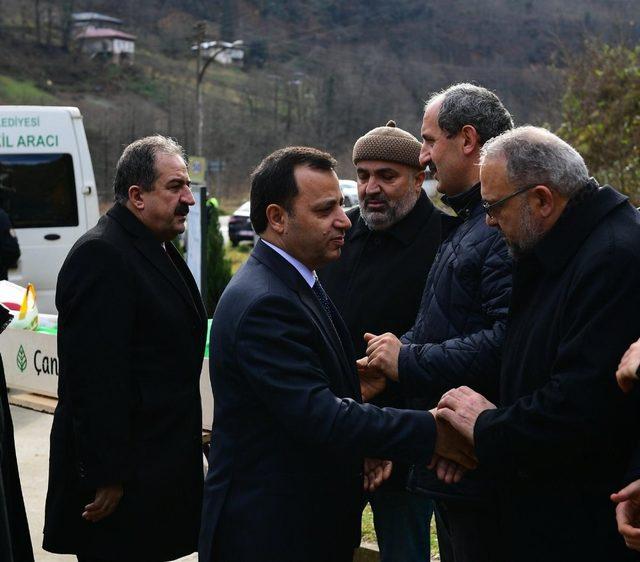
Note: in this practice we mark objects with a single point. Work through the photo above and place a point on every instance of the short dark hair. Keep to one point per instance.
(273, 182)
(468, 104)
(137, 165)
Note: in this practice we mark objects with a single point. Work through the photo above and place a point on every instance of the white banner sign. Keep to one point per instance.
(30, 362)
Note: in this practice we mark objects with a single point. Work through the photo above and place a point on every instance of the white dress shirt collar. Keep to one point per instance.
(308, 275)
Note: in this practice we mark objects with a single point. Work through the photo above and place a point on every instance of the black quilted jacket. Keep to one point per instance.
(458, 333)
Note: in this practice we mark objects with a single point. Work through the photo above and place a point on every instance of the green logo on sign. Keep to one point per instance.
(21, 359)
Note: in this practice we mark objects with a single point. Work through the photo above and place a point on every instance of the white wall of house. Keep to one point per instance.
(120, 49)
(123, 46)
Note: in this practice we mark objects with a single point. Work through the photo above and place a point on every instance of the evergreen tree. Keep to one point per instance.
(218, 266)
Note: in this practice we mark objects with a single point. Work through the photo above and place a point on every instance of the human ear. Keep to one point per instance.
(470, 139)
(276, 217)
(135, 197)
(418, 180)
(544, 200)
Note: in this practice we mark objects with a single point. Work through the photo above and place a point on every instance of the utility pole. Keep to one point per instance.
(201, 28)
(206, 52)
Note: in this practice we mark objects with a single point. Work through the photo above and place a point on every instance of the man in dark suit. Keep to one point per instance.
(125, 471)
(559, 439)
(285, 476)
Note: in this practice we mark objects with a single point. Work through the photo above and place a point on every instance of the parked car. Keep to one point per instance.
(240, 225)
(349, 190)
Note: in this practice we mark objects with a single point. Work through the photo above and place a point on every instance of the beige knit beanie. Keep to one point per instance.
(390, 144)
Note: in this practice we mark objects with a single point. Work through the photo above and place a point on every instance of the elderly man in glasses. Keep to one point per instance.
(561, 434)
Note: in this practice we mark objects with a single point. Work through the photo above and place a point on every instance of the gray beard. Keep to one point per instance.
(394, 212)
(530, 234)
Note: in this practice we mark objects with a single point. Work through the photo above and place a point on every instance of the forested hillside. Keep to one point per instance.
(316, 72)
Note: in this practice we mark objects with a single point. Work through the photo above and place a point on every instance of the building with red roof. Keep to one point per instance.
(104, 42)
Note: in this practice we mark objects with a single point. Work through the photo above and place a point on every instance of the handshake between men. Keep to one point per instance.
(455, 415)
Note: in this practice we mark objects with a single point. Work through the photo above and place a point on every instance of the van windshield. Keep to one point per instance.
(38, 190)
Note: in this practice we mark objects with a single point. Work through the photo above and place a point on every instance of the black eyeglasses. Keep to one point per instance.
(490, 208)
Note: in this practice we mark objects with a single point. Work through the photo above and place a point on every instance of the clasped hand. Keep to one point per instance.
(376, 471)
(456, 416)
(380, 363)
(460, 408)
(627, 373)
(628, 514)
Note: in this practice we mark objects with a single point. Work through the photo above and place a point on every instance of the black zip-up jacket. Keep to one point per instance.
(458, 334)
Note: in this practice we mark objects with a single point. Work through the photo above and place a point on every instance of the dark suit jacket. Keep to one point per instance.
(130, 343)
(285, 469)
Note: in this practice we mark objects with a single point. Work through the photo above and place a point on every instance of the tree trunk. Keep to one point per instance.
(23, 20)
(49, 24)
(66, 23)
(36, 6)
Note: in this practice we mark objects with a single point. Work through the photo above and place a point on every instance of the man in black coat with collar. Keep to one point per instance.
(376, 286)
(125, 472)
(559, 439)
(290, 433)
(15, 541)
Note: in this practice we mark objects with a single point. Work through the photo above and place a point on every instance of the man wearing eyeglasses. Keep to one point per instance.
(458, 333)
(560, 435)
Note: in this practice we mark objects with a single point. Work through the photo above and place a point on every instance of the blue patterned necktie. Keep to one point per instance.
(324, 300)
(322, 296)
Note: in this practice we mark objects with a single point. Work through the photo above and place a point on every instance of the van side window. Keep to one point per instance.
(38, 190)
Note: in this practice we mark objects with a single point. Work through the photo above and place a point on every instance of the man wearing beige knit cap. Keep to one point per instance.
(376, 285)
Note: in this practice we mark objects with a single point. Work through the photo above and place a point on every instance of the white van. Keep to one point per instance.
(47, 188)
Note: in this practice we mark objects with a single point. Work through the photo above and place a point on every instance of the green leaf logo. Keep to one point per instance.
(21, 359)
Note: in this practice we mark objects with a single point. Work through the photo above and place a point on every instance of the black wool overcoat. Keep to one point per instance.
(561, 438)
(15, 542)
(131, 340)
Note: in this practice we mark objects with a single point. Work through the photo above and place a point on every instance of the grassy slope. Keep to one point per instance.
(23, 92)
